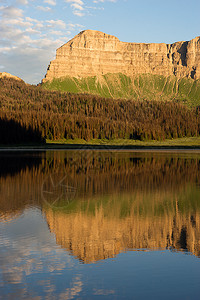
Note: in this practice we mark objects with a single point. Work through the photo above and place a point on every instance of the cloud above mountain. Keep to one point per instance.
(31, 30)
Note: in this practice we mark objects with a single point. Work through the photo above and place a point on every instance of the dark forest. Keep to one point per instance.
(32, 114)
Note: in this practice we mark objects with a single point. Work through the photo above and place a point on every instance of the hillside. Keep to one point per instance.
(8, 75)
(55, 115)
(97, 63)
(144, 86)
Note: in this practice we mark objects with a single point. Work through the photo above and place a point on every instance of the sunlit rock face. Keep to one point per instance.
(93, 53)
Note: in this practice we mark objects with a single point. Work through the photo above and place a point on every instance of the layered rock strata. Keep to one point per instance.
(93, 53)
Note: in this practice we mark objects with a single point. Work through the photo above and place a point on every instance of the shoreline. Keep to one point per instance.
(54, 147)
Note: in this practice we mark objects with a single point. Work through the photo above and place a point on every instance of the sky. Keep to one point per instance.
(32, 30)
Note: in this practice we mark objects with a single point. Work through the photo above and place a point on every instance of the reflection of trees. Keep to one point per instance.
(14, 162)
(123, 200)
(93, 173)
(101, 172)
(19, 182)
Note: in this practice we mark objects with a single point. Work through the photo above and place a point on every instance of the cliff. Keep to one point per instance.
(93, 53)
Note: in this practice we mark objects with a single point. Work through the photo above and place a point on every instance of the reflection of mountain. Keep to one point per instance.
(103, 230)
(123, 200)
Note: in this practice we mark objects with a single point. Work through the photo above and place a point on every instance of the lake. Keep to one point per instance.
(99, 225)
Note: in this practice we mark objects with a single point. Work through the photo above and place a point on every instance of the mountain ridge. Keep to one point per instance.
(93, 53)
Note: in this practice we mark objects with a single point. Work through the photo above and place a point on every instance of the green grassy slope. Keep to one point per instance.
(145, 86)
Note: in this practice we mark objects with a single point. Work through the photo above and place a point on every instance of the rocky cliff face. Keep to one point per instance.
(93, 53)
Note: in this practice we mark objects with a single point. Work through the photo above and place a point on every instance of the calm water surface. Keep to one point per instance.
(99, 225)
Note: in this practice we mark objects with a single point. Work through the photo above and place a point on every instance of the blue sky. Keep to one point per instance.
(31, 30)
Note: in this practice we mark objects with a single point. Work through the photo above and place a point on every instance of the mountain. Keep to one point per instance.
(97, 63)
(94, 53)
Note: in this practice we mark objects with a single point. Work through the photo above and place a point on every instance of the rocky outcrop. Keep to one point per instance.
(8, 75)
(93, 53)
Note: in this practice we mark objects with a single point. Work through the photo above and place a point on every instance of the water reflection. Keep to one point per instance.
(106, 227)
(98, 204)
(30, 262)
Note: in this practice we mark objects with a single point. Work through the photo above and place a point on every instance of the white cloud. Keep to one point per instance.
(30, 30)
(53, 23)
(56, 32)
(10, 11)
(77, 7)
(75, 25)
(16, 22)
(31, 19)
(80, 9)
(43, 8)
(5, 49)
(38, 24)
(31, 40)
(80, 2)
(50, 2)
(22, 2)
(78, 13)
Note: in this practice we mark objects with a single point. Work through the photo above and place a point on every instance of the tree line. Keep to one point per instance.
(51, 115)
